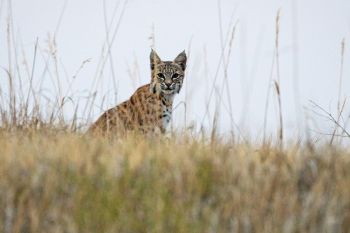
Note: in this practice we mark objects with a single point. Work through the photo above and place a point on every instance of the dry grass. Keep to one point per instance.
(56, 179)
(65, 182)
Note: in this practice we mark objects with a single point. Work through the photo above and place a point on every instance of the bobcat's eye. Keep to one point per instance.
(175, 76)
(160, 76)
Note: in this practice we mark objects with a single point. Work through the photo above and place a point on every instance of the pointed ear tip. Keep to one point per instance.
(183, 53)
(154, 54)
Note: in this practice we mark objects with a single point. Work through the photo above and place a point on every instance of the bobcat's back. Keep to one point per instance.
(144, 111)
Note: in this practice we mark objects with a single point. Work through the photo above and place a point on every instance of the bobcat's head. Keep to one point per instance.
(167, 76)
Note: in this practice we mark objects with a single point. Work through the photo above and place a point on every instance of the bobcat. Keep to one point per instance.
(149, 109)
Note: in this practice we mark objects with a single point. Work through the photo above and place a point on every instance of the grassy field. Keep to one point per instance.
(55, 179)
(66, 182)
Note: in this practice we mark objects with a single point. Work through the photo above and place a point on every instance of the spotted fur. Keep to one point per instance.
(149, 109)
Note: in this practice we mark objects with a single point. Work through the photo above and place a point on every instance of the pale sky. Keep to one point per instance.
(309, 55)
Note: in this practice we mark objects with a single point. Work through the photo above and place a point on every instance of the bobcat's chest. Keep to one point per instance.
(167, 104)
(166, 116)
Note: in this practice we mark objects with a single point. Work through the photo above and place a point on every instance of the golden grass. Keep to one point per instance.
(66, 182)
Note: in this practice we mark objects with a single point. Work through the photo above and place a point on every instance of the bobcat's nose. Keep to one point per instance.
(167, 81)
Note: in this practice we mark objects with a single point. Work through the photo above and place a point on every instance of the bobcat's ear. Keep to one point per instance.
(181, 59)
(154, 58)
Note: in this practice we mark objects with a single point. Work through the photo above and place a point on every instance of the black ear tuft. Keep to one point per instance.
(181, 59)
(154, 58)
